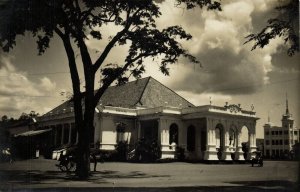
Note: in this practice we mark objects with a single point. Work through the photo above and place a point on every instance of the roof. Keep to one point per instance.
(156, 95)
(127, 95)
(145, 92)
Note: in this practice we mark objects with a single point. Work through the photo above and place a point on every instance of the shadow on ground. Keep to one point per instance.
(29, 180)
(243, 188)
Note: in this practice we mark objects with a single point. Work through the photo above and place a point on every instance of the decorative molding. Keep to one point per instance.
(233, 108)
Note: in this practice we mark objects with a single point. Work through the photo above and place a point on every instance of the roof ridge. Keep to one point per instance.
(173, 91)
(130, 82)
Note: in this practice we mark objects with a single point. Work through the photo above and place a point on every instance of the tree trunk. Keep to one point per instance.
(85, 134)
(83, 150)
(83, 154)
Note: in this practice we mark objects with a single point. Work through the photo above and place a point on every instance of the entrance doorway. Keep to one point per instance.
(149, 130)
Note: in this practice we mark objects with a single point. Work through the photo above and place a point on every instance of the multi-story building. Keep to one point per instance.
(279, 141)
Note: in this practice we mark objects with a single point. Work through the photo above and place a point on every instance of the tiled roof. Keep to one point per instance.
(145, 92)
(127, 95)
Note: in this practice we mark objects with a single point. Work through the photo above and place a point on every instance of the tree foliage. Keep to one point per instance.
(75, 22)
(4, 118)
(30, 115)
(285, 25)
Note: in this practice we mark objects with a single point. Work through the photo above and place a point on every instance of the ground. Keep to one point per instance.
(43, 175)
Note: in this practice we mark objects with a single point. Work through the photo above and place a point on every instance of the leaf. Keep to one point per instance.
(96, 35)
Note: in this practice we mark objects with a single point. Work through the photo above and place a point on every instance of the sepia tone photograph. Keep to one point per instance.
(149, 95)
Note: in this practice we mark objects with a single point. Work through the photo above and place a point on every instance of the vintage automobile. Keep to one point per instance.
(258, 159)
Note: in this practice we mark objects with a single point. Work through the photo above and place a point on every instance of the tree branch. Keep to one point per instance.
(87, 64)
(59, 32)
(110, 45)
(111, 79)
(74, 76)
(85, 14)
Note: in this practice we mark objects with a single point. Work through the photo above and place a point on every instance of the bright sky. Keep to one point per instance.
(230, 70)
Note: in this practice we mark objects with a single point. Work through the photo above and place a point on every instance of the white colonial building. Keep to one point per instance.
(147, 109)
(279, 141)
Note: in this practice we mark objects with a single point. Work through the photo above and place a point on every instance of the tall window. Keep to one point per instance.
(191, 141)
(268, 152)
(280, 142)
(267, 132)
(173, 134)
(286, 142)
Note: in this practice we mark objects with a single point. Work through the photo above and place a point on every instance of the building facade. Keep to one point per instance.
(146, 109)
(279, 141)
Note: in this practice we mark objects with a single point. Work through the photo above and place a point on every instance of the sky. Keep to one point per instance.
(229, 71)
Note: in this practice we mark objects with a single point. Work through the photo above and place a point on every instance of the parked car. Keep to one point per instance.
(258, 159)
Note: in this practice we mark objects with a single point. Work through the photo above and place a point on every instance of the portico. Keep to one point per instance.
(226, 128)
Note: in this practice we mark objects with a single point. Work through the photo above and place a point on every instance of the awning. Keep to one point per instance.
(32, 133)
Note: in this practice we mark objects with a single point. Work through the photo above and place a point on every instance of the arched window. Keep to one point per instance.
(191, 141)
(173, 134)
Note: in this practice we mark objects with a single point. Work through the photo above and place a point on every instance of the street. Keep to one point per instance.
(43, 175)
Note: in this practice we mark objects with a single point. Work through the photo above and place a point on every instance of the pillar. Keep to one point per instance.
(239, 154)
(252, 139)
(138, 124)
(167, 150)
(70, 133)
(226, 155)
(211, 152)
(54, 130)
(62, 134)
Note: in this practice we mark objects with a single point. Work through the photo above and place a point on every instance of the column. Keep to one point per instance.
(70, 133)
(138, 124)
(239, 154)
(62, 134)
(77, 137)
(54, 130)
(293, 140)
(226, 153)
(211, 152)
(166, 149)
(253, 146)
